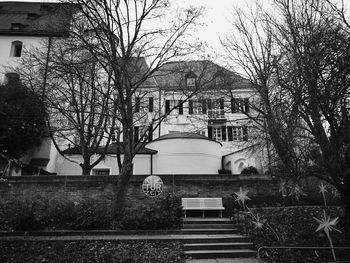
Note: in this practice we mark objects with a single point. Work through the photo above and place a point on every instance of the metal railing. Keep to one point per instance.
(261, 250)
(216, 114)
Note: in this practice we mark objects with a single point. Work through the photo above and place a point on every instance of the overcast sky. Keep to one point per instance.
(216, 19)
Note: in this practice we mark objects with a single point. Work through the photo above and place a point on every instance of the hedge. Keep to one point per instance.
(67, 211)
(92, 251)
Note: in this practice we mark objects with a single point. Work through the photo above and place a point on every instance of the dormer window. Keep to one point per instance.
(16, 49)
(219, 80)
(191, 82)
(191, 79)
(16, 26)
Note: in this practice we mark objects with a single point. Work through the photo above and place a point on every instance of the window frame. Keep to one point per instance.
(217, 134)
(16, 49)
(190, 81)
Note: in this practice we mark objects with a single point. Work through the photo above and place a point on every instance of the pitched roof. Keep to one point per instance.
(35, 18)
(173, 75)
(139, 68)
(112, 149)
(183, 135)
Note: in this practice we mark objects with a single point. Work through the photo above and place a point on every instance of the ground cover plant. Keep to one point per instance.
(92, 251)
(68, 211)
(295, 226)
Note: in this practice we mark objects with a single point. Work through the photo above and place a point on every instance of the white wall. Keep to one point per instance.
(142, 165)
(186, 156)
(29, 42)
(238, 161)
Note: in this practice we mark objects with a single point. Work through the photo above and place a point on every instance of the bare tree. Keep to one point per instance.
(121, 36)
(304, 57)
(252, 46)
(77, 96)
(316, 45)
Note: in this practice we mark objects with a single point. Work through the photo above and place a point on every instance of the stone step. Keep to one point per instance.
(210, 226)
(208, 231)
(227, 253)
(194, 239)
(209, 220)
(218, 246)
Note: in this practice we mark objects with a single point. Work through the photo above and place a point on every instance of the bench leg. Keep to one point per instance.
(202, 213)
(220, 213)
(185, 213)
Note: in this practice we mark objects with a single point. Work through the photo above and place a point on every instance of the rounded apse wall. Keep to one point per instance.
(185, 153)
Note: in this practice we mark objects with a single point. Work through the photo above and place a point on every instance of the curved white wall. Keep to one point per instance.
(186, 156)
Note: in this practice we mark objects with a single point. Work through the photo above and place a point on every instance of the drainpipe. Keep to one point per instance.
(160, 110)
(222, 162)
(46, 68)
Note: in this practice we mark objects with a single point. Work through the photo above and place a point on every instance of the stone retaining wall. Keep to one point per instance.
(182, 185)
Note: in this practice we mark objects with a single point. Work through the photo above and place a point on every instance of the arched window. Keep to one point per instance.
(16, 49)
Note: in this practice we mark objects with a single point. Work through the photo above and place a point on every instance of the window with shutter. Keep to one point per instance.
(190, 107)
(210, 132)
(246, 105)
(150, 133)
(245, 133)
(222, 105)
(204, 106)
(233, 105)
(150, 104)
(167, 106)
(137, 104)
(223, 132)
(229, 134)
(181, 109)
(136, 134)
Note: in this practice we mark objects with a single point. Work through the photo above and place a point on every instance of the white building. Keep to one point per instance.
(25, 26)
(207, 128)
(207, 132)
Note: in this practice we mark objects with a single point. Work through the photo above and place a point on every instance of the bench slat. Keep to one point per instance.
(202, 204)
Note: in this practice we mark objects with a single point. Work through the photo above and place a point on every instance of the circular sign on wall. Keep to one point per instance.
(152, 186)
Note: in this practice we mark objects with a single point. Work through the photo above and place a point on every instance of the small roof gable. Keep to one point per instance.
(35, 18)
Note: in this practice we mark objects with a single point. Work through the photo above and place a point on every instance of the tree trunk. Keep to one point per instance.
(86, 168)
(122, 186)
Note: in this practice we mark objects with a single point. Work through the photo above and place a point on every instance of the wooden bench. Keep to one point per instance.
(202, 204)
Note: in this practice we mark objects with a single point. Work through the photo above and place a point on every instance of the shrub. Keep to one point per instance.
(60, 210)
(294, 226)
(250, 170)
(92, 251)
(63, 210)
(224, 171)
(164, 213)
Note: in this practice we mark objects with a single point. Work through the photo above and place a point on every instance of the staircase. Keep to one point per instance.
(214, 238)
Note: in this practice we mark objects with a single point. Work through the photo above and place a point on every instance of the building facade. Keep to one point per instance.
(205, 128)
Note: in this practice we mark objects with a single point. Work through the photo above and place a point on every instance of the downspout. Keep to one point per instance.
(222, 162)
(46, 68)
(160, 110)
